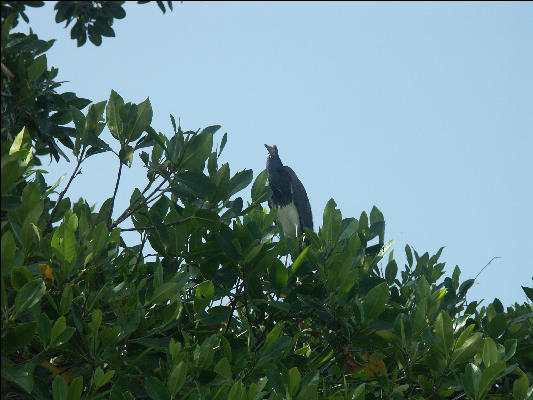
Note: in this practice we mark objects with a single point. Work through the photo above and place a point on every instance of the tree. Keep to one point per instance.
(213, 313)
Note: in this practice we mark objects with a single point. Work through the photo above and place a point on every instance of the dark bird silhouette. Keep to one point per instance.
(288, 196)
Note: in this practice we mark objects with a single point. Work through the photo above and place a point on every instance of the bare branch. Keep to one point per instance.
(114, 196)
(61, 195)
(134, 207)
(479, 273)
(6, 71)
(174, 223)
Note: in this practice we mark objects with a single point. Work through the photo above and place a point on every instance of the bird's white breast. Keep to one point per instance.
(288, 218)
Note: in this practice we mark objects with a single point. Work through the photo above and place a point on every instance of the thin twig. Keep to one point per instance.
(130, 210)
(6, 71)
(330, 362)
(493, 258)
(147, 228)
(123, 216)
(459, 396)
(114, 196)
(54, 210)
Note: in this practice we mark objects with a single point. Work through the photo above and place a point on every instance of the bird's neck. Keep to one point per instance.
(274, 164)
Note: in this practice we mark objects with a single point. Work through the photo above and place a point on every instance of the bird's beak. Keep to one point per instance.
(270, 149)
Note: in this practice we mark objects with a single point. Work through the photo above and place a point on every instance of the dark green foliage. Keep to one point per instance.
(215, 312)
(29, 93)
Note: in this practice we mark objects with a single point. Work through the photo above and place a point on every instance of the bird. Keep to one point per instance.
(288, 196)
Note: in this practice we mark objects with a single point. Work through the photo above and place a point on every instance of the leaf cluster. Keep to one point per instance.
(214, 312)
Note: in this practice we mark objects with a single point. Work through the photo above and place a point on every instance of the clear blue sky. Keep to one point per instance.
(424, 110)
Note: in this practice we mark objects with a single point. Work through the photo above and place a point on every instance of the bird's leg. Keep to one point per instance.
(286, 258)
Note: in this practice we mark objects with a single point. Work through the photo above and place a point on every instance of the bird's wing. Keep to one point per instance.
(300, 199)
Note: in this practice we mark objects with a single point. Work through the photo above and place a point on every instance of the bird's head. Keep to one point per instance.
(273, 160)
(272, 150)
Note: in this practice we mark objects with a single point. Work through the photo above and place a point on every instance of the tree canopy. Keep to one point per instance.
(212, 311)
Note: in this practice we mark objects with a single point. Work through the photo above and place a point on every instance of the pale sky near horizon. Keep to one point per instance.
(422, 109)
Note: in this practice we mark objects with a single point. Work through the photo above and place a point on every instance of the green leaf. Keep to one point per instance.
(273, 335)
(471, 380)
(223, 368)
(409, 255)
(64, 238)
(29, 295)
(18, 337)
(173, 121)
(391, 271)
(359, 392)
(212, 129)
(377, 224)
(75, 389)
(64, 202)
(224, 239)
(278, 274)
(301, 257)
(105, 378)
(488, 378)
(490, 352)
(30, 236)
(376, 301)
(258, 188)
(19, 277)
(166, 291)
(66, 300)
(7, 24)
(196, 182)
(388, 336)
(239, 181)
(471, 346)
(17, 375)
(348, 228)
(212, 164)
(94, 37)
(223, 143)
(420, 317)
(8, 252)
(464, 335)
(520, 387)
(528, 291)
(497, 325)
(510, 349)
(204, 354)
(205, 291)
(294, 381)
(443, 332)
(96, 321)
(465, 286)
(143, 120)
(113, 119)
(197, 150)
(37, 67)
(331, 222)
(116, 10)
(237, 391)
(126, 155)
(57, 329)
(173, 148)
(276, 350)
(59, 388)
(79, 122)
(177, 377)
(94, 126)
